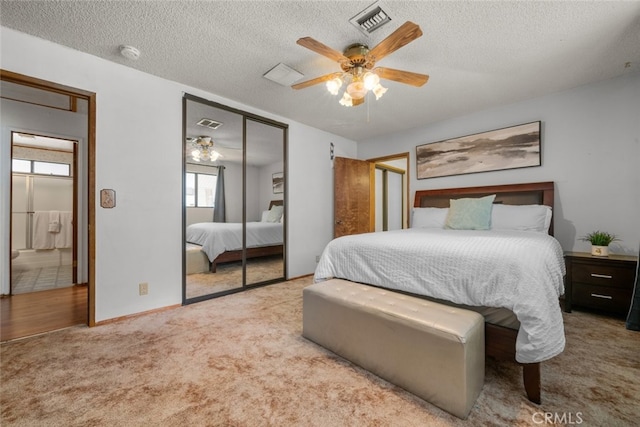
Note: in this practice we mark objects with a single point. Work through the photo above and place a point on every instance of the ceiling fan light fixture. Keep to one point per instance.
(346, 100)
(356, 89)
(334, 85)
(379, 90)
(203, 149)
(371, 80)
(358, 62)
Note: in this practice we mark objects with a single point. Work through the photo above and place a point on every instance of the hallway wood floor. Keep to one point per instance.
(37, 312)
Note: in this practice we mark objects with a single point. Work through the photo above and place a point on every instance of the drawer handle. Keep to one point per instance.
(601, 276)
(602, 296)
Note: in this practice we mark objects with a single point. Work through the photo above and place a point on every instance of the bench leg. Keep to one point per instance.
(531, 377)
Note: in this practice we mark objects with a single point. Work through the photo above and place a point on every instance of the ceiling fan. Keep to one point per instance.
(357, 63)
(203, 149)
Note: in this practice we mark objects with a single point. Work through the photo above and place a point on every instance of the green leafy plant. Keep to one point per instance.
(600, 238)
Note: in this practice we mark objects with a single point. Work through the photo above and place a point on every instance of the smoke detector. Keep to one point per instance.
(129, 52)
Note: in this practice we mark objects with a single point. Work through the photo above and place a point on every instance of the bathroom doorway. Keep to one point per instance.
(43, 213)
(48, 148)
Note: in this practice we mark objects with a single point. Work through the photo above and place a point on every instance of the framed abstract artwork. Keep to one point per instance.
(507, 148)
(278, 182)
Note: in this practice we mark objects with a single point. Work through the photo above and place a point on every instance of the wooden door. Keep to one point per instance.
(353, 196)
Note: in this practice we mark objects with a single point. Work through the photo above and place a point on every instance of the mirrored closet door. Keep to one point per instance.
(234, 200)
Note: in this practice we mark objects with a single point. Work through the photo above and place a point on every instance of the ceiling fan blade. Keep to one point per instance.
(314, 81)
(406, 77)
(322, 49)
(404, 35)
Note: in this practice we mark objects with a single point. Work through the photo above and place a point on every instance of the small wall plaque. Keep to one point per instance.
(108, 198)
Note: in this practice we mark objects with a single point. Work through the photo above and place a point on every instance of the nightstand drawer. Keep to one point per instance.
(605, 275)
(602, 297)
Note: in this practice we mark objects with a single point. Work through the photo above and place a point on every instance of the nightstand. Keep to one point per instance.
(601, 283)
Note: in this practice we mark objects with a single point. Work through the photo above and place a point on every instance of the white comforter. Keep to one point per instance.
(519, 270)
(218, 237)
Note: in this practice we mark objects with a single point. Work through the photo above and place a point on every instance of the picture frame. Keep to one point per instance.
(500, 149)
(278, 182)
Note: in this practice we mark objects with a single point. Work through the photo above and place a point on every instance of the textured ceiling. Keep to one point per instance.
(478, 54)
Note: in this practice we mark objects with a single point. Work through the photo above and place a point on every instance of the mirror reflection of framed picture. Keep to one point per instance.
(278, 182)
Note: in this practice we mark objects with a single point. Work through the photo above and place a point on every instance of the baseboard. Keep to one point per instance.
(133, 316)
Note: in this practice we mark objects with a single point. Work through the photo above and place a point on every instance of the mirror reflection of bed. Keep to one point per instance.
(234, 196)
(209, 270)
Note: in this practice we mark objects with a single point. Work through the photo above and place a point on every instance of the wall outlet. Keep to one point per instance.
(143, 288)
(317, 258)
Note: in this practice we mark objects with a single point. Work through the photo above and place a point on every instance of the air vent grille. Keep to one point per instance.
(211, 124)
(370, 19)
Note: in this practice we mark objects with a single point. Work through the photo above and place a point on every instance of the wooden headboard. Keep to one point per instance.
(276, 203)
(537, 193)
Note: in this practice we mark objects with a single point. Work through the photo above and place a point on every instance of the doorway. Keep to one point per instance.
(47, 279)
(391, 192)
(371, 195)
(43, 213)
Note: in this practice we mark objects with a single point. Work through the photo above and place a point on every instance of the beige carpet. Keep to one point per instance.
(240, 360)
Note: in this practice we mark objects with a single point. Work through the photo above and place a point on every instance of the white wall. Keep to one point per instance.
(309, 215)
(590, 148)
(140, 240)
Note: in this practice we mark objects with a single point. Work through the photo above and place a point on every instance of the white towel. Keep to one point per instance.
(64, 239)
(54, 222)
(42, 239)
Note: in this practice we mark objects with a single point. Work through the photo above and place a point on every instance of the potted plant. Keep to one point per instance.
(600, 241)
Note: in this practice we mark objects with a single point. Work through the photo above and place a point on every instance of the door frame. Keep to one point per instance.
(25, 80)
(407, 156)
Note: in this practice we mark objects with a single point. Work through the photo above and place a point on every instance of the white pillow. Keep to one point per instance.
(265, 215)
(521, 217)
(428, 217)
(275, 213)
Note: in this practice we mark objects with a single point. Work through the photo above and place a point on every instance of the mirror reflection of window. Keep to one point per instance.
(200, 190)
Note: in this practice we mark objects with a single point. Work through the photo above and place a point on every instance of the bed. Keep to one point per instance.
(514, 277)
(223, 242)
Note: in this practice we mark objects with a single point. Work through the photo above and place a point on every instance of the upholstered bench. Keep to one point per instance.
(431, 350)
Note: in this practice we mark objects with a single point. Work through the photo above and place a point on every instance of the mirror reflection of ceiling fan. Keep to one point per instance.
(357, 63)
(202, 149)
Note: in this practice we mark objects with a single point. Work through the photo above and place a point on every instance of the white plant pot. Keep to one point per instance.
(599, 250)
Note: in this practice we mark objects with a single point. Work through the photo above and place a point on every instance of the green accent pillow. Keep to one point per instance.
(470, 214)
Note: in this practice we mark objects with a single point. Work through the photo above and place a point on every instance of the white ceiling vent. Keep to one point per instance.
(370, 19)
(283, 75)
(211, 124)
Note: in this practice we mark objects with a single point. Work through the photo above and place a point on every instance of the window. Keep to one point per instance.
(201, 190)
(47, 168)
(19, 165)
(42, 168)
